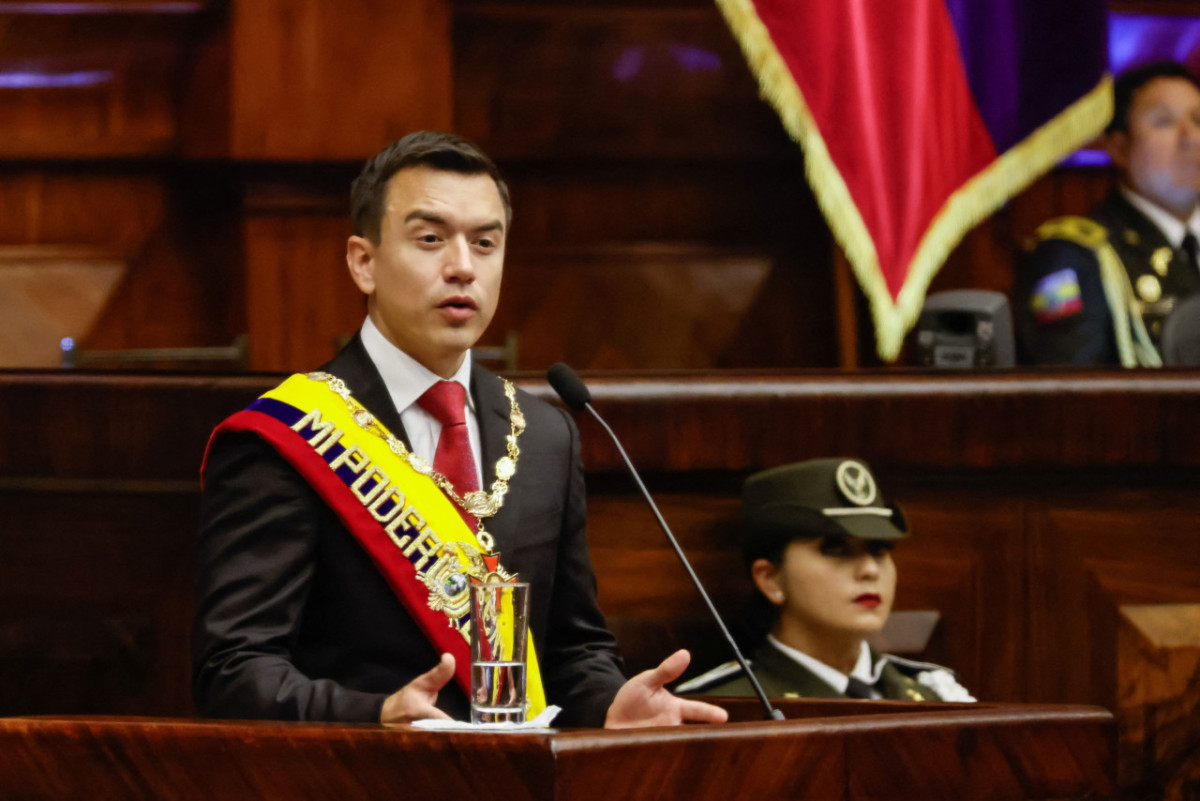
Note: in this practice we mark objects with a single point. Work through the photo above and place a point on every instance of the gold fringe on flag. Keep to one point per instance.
(971, 203)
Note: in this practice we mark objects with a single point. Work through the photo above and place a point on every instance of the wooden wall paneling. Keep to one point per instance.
(95, 601)
(964, 558)
(92, 79)
(183, 288)
(299, 295)
(318, 80)
(535, 81)
(1089, 555)
(172, 228)
(650, 603)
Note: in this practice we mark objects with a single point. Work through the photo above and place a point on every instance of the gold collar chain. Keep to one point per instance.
(479, 504)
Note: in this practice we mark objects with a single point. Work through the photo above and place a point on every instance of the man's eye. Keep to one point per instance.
(487, 244)
(428, 239)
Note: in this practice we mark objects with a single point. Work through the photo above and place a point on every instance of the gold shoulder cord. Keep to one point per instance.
(478, 504)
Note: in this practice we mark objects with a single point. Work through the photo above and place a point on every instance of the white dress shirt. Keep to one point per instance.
(407, 380)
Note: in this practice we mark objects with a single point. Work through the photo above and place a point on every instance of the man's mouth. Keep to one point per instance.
(869, 600)
(459, 302)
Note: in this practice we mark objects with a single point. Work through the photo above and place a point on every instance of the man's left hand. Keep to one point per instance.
(644, 700)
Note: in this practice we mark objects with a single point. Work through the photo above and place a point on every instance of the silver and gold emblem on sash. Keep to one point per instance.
(856, 483)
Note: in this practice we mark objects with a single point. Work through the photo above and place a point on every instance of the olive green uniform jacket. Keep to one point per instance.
(783, 677)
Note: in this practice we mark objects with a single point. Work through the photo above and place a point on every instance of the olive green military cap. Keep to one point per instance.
(813, 499)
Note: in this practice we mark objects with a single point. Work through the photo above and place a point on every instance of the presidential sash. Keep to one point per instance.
(407, 525)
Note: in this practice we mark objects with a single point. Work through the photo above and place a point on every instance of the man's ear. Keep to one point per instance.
(360, 258)
(766, 578)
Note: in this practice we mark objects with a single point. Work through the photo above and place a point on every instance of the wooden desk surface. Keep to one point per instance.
(865, 751)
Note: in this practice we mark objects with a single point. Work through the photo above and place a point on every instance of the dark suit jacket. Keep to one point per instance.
(294, 621)
(1088, 337)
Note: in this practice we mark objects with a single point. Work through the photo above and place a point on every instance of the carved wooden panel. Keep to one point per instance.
(173, 233)
(48, 294)
(1158, 706)
(1093, 552)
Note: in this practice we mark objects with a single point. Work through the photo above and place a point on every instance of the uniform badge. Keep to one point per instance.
(1160, 260)
(856, 483)
(1149, 289)
(1056, 296)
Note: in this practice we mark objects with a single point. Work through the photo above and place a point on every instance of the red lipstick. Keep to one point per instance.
(869, 600)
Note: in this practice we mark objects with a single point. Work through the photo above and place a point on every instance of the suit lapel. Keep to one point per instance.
(355, 367)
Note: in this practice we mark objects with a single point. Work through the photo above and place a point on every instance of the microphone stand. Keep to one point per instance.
(770, 712)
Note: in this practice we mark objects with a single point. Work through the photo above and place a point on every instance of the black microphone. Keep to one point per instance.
(575, 394)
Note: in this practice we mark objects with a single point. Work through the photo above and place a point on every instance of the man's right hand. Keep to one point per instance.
(415, 700)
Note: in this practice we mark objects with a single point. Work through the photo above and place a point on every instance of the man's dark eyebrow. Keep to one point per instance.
(436, 219)
(494, 225)
(427, 216)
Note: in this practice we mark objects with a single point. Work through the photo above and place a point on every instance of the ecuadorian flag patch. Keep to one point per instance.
(1056, 296)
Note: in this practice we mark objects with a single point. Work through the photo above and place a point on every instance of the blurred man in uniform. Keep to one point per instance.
(1096, 290)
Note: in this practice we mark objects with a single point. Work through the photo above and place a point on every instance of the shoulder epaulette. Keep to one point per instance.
(709, 678)
(1080, 230)
(913, 666)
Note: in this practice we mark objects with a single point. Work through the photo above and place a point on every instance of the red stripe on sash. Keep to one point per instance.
(400, 574)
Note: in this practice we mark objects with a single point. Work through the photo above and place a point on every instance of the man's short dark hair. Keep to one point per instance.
(441, 151)
(1130, 81)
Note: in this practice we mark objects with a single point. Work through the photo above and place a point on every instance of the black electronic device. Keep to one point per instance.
(965, 329)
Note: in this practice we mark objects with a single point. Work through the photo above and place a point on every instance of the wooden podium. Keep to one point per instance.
(825, 750)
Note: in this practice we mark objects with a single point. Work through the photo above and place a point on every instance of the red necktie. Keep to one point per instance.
(445, 400)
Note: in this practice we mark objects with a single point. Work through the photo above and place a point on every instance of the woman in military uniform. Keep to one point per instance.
(818, 541)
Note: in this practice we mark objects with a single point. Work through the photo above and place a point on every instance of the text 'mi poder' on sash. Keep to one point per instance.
(408, 526)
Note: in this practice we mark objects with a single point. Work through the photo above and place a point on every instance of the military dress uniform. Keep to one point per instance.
(1097, 290)
(893, 678)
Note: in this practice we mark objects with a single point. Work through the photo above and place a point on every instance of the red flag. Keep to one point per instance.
(918, 119)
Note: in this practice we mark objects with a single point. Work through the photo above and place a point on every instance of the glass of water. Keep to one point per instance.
(499, 632)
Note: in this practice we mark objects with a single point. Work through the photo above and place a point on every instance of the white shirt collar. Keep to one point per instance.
(407, 379)
(863, 669)
(1168, 223)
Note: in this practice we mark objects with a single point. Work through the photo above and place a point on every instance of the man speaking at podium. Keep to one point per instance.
(345, 511)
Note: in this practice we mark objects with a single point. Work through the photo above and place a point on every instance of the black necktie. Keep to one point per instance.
(1192, 248)
(857, 688)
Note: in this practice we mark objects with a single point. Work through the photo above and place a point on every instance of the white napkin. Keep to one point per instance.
(542, 721)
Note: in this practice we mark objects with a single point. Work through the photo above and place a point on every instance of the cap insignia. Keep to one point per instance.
(855, 483)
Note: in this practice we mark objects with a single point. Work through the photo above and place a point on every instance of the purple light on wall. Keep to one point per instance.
(1135, 39)
(695, 59)
(94, 8)
(629, 64)
(53, 80)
